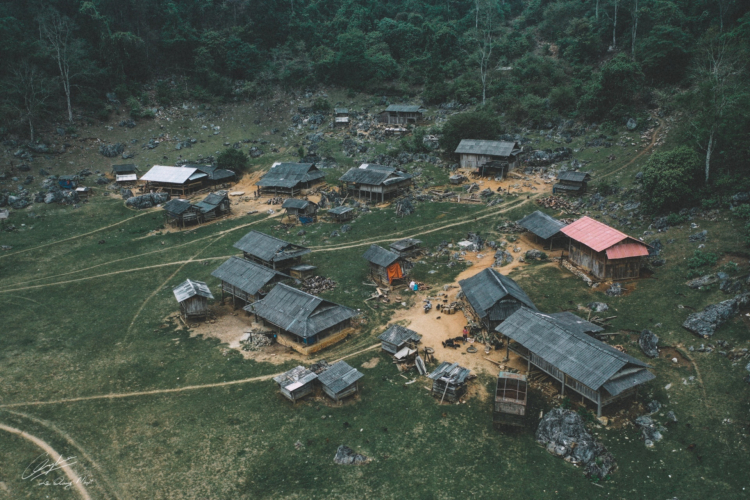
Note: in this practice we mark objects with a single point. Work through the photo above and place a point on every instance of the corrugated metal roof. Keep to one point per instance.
(565, 187)
(594, 234)
(397, 334)
(126, 177)
(374, 175)
(269, 248)
(340, 110)
(340, 210)
(339, 376)
(486, 290)
(124, 169)
(571, 176)
(576, 354)
(380, 256)
(295, 378)
(298, 312)
(541, 224)
(212, 201)
(402, 108)
(405, 244)
(288, 175)
(295, 203)
(245, 275)
(191, 288)
(453, 372)
(170, 175)
(488, 148)
(620, 384)
(176, 206)
(626, 250)
(573, 323)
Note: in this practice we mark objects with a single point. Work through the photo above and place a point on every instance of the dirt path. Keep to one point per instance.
(643, 152)
(54, 456)
(169, 391)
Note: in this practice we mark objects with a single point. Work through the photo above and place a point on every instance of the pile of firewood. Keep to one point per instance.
(510, 227)
(316, 284)
(556, 202)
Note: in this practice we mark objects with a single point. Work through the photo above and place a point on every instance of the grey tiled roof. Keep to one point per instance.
(288, 175)
(402, 108)
(380, 256)
(129, 168)
(190, 288)
(340, 210)
(453, 372)
(295, 378)
(541, 224)
(488, 148)
(211, 201)
(245, 275)
(339, 376)
(570, 175)
(404, 244)
(295, 203)
(374, 175)
(397, 334)
(176, 206)
(488, 293)
(269, 248)
(573, 323)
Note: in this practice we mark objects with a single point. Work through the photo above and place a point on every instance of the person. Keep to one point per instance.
(413, 286)
(466, 335)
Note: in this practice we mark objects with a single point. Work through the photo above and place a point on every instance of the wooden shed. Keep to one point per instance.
(385, 266)
(604, 251)
(180, 212)
(246, 281)
(341, 214)
(449, 381)
(401, 114)
(491, 297)
(340, 117)
(396, 337)
(511, 396)
(589, 367)
(214, 205)
(296, 383)
(270, 251)
(375, 182)
(406, 248)
(193, 298)
(340, 380)
(173, 180)
(290, 178)
(488, 158)
(546, 229)
(305, 211)
(68, 181)
(570, 182)
(302, 271)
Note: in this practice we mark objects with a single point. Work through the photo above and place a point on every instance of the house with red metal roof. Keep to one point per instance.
(604, 251)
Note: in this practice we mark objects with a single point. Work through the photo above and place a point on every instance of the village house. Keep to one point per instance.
(340, 117)
(180, 212)
(546, 229)
(396, 337)
(289, 179)
(570, 182)
(304, 322)
(270, 251)
(490, 298)
(302, 271)
(245, 281)
(173, 180)
(406, 248)
(125, 174)
(589, 367)
(214, 205)
(449, 381)
(401, 114)
(341, 214)
(304, 211)
(488, 158)
(296, 383)
(340, 381)
(385, 266)
(193, 298)
(604, 251)
(214, 175)
(375, 182)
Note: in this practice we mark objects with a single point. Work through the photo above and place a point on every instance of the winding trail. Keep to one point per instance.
(74, 478)
(643, 152)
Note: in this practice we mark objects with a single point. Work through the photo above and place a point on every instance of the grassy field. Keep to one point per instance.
(91, 365)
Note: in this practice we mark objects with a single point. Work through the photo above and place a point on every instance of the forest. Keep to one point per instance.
(531, 64)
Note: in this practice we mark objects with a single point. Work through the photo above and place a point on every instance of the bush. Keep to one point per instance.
(234, 160)
(700, 259)
(135, 107)
(321, 105)
(476, 125)
(164, 93)
(671, 179)
(674, 219)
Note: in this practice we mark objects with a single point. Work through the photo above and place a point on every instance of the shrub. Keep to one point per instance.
(700, 259)
(234, 160)
(164, 93)
(321, 105)
(674, 219)
(135, 107)
(670, 179)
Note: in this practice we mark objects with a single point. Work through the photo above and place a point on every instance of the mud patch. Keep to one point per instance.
(670, 353)
(372, 363)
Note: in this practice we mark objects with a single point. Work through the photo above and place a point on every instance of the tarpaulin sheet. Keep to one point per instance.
(394, 272)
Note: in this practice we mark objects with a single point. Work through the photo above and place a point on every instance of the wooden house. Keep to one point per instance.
(385, 266)
(302, 271)
(270, 251)
(406, 248)
(401, 114)
(173, 180)
(302, 320)
(289, 179)
(245, 281)
(340, 380)
(569, 321)
(180, 212)
(511, 393)
(488, 158)
(214, 175)
(304, 211)
(125, 174)
(546, 229)
(84, 191)
(340, 117)
(375, 182)
(570, 182)
(396, 337)
(68, 181)
(341, 214)
(582, 364)
(193, 298)
(449, 381)
(214, 205)
(604, 251)
(296, 383)
(491, 297)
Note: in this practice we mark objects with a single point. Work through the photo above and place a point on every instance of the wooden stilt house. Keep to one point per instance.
(180, 213)
(296, 383)
(304, 211)
(245, 281)
(570, 182)
(193, 298)
(396, 337)
(401, 114)
(340, 381)
(214, 205)
(375, 182)
(385, 266)
(289, 179)
(490, 297)
(270, 251)
(449, 381)
(341, 214)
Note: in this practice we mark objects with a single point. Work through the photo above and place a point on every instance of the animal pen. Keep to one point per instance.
(340, 117)
(340, 381)
(570, 182)
(214, 205)
(193, 298)
(449, 381)
(296, 383)
(406, 248)
(179, 212)
(511, 393)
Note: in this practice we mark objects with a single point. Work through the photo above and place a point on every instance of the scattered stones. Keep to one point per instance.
(652, 432)
(598, 307)
(648, 342)
(502, 258)
(615, 290)
(111, 150)
(316, 284)
(671, 416)
(535, 255)
(653, 406)
(347, 456)
(702, 236)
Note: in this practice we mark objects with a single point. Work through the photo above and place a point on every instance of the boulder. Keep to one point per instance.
(564, 434)
(20, 203)
(615, 290)
(631, 124)
(598, 307)
(730, 285)
(653, 406)
(70, 197)
(102, 181)
(126, 193)
(535, 255)
(648, 341)
(702, 236)
(347, 456)
(111, 150)
(53, 197)
(705, 323)
(652, 431)
(502, 258)
(708, 279)
(346, 228)
(147, 200)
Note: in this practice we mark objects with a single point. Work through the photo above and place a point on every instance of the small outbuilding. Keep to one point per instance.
(214, 205)
(305, 211)
(385, 266)
(546, 229)
(401, 114)
(296, 383)
(489, 158)
(603, 250)
(246, 281)
(449, 381)
(214, 175)
(290, 179)
(68, 181)
(406, 248)
(396, 337)
(341, 214)
(125, 174)
(570, 182)
(193, 298)
(511, 396)
(341, 117)
(270, 251)
(375, 182)
(180, 212)
(340, 380)
(173, 180)
(491, 297)
(303, 271)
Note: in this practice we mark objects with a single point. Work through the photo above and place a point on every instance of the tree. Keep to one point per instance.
(670, 179)
(234, 160)
(56, 34)
(486, 24)
(476, 125)
(26, 93)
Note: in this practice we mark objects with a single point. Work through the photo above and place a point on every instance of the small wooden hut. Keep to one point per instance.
(385, 266)
(214, 205)
(401, 114)
(68, 181)
(302, 271)
(180, 212)
(193, 298)
(340, 380)
(84, 191)
(296, 383)
(449, 381)
(546, 229)
(489, 158)
(246, 281)
(125, 175)
(490, 297)
(341, 117)
(341, 214)
(406, 248)
(304, 211)
(570, 182)
(270, 251)
(396, 337)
